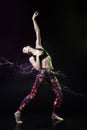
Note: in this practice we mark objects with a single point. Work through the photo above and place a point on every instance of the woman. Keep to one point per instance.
(42, 62)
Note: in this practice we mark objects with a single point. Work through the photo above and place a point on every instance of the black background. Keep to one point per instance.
(63, 26)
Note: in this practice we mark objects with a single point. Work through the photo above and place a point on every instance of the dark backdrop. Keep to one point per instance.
(63, 27)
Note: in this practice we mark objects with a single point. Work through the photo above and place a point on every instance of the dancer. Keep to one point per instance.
(41, 62)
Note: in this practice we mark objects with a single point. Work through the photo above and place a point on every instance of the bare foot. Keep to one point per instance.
(17, 117)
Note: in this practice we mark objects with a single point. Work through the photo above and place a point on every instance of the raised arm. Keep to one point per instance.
(37, 30)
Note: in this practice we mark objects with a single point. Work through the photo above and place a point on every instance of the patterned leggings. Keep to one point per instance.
(55, 85)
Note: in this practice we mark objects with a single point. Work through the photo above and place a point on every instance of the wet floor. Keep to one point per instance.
(42, 122)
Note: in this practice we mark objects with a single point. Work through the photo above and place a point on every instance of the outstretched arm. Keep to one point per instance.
(37, 30)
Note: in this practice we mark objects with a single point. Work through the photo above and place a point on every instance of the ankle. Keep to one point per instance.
(18, 112)
(53, 112)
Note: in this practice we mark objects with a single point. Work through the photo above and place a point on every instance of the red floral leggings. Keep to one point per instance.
(55, 85)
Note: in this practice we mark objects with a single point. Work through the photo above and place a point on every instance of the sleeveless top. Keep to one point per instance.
(44, 55)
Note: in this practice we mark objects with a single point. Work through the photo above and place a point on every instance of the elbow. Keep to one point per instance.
(37, 66)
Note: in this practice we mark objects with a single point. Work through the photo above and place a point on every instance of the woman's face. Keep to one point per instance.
(27, 50)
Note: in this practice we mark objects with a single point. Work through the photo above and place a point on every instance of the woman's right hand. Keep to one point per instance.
(35, 15)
